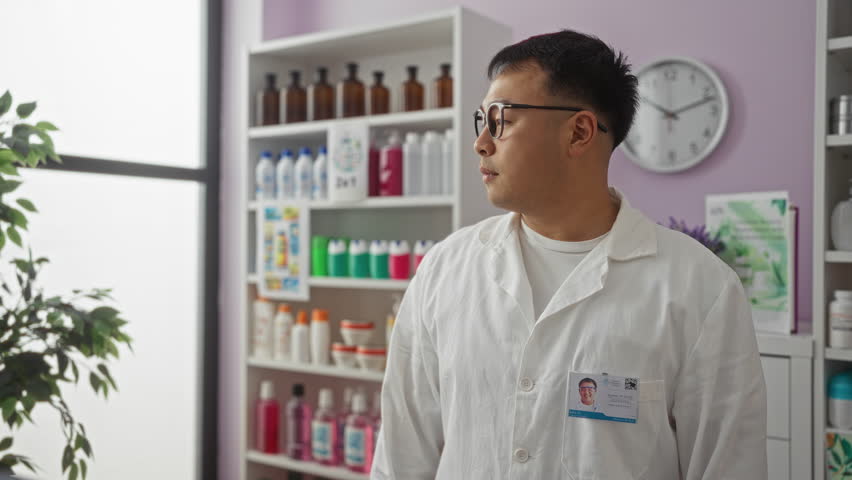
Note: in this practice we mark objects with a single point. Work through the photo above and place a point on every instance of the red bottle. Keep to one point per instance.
(268, 414)
(373, 173)
(390, 167)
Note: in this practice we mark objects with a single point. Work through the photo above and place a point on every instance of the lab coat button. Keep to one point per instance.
(522, 455)
(526, 384)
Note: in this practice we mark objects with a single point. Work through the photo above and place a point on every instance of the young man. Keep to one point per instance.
(574, 281)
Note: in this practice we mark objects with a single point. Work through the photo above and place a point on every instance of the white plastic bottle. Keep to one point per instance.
(433, 167)
(320, 337)
(412, 175)
(265, 177)
(304, 175)
(284, 172)
(447, 160)
(320, 184)
(282, 331)
(840, 320)
(262, 331)
(301, 346)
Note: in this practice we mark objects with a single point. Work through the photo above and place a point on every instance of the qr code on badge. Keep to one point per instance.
(630, 383)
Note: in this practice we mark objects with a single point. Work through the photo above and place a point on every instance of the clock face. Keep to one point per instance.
(683, 111)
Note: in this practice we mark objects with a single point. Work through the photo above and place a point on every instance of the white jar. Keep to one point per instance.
(840, 320)
(840, 400)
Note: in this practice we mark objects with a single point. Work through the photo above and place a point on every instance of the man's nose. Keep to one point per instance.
(484, 144)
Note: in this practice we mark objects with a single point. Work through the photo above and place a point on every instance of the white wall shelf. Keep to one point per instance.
(324, 370)
(844, 354)
(430, 201)
(349, 283)
(427, 119)
(287, 463)
(838, 141)
(836, 256)
(800, 345)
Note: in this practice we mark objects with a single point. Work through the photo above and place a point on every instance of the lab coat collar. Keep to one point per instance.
(632, 235)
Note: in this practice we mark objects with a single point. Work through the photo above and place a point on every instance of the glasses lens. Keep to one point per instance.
(494, 123)
(478, 122)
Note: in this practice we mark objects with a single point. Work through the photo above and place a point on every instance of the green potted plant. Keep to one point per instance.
(45, 341)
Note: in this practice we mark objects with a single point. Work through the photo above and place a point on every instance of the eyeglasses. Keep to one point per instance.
(592, 389)
(492, 117)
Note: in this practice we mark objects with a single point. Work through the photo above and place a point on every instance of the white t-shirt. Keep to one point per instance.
(548, 263)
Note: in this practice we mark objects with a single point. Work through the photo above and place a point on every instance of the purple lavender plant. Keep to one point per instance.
(700, 233)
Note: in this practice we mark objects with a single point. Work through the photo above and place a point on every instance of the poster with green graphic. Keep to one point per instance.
(759, 234)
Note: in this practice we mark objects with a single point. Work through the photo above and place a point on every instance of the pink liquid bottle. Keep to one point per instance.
(390, 167)
(373, 170)
(324, 438)
(343, 415)
(298, 425)
(400, 260)
(267, 415)
(358, 447)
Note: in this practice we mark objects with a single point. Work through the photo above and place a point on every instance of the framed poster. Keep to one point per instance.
(283, 261)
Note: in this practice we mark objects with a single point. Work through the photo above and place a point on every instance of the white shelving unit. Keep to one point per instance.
(832, 171)
(458, 36)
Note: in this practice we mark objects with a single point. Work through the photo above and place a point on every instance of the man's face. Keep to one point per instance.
(526, 159)
(587, 393)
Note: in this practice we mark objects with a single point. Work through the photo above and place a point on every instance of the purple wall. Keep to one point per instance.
(763, 50)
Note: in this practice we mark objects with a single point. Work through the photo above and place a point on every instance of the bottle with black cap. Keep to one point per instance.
(299, 416)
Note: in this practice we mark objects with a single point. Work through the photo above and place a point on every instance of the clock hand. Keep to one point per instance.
(665, 112)
(694, 104)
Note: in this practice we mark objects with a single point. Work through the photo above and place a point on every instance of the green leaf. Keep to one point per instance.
(72, 475)
(9, 460)
(27, 205)
(9, 169)
(8, 186)
(8, 407)
(14, 236)
(95, 381)
(6, 443)
(18, 218)
(83, 468)
(5, 102)
(8, 156)
(67, 458)
(86, 446)
(847, 447)
(75, 371)
(46, 126)
(2, 240)
(25, 109)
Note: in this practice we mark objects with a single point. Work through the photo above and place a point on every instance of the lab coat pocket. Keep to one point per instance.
(601, 449)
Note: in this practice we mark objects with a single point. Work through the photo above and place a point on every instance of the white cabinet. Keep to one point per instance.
(776, 371)
(778, 454)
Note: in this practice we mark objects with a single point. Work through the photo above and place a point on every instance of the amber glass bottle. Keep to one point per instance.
(379, 96)
(296, 98)
(444, 88)
(323, 96)
(353, 93)
(412, 91)
(271, 102)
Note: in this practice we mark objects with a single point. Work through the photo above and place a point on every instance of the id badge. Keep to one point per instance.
(603, 397)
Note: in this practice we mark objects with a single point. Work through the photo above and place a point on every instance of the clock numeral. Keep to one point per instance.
(693, 147)
(714, 110)
(672, 157)
(708, 92)
(670, 74)
(707, 133)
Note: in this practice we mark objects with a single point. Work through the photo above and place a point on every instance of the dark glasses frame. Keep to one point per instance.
(482, 116)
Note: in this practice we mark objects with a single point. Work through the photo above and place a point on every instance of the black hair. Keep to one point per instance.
(587, 380)
(583, 68)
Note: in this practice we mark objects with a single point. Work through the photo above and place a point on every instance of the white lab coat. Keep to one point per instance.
(476, 388)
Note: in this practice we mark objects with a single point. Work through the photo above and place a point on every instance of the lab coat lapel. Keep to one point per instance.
(507, 267)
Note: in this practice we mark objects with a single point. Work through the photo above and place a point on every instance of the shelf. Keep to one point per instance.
(440, 118)
(324, 370)
(836, 256)
(286, 463)
(844, 354)
(839, 431)
(799, 345)
(841, 49)
(838, 141)
(347, 282)
(420, 201)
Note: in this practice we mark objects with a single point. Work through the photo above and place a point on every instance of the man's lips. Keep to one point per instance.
(486, 171)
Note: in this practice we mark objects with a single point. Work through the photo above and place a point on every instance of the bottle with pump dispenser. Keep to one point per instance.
(444, 88)
(841, 224)
(285, 173)
(304, 175)
(301, 347)
(295, 100)
(299, 417)
(265, 177)
(267, 419)
(352, 91)
(379, 96)
(320, 337)
(271, 103)
(412, 91)
(282, 328)
(324, 434)
(322, 96)
(390, 167)
(320, 183)
(358, 441)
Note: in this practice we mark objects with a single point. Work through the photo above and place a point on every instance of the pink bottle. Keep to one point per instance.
(421, 247)
(373, 171)
(400, 260)
(267, 414)
(324, 438)
(298, 425)
(376, 416)
(345, 411)
(358, 447)
(390, 167)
